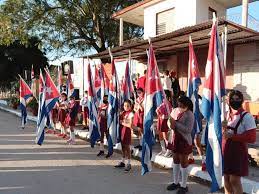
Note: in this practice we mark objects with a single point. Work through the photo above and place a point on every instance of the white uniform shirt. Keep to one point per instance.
(166, 83)
(247, 123)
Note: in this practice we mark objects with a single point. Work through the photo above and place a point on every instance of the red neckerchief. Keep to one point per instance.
(140, 99)
(239, 112)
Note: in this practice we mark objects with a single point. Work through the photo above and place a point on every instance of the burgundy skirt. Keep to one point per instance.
(125, 135)
(179, 144)
(103, 125)
(55, 115)
(138, 119)
(70, 121)
(62, 115)
(235, 157)
(162, 125)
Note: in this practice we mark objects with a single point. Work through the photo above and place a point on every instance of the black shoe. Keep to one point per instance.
(101, 153)
(140, 148)
(137, 147)
(182, 190)
(108, 155)
(173, 186)
(128, 168)
(120, 165)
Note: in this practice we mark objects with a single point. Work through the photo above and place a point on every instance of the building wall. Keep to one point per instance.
(202, 10)
(187, 13)
(246, 70)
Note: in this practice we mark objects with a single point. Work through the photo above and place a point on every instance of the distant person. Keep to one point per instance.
(181, 121)
(62, 111)
(238, 131)
(84, 105)
(175, 87)
(167, 85)
(142, 81)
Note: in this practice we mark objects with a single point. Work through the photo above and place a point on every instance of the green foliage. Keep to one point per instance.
(33, 103)
(65, 25)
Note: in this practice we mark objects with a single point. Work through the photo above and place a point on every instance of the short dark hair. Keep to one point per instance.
(140, 89)
(186, 102)
(236, 93)
(128, 101)
(166, 72)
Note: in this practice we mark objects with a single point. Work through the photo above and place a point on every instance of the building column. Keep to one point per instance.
(121, 31)
(245, 12)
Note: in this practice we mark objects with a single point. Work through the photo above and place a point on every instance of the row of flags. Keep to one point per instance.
(213, 91)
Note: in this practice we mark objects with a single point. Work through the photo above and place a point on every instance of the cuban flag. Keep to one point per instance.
(214, 90)
(25, 94)
(194, 81)
(154, 95)
(49, 99)
(94, 128)
(97, 84)
(113, 110)
(127, 86)
(41, 89)
(70, 86)
(105, 82)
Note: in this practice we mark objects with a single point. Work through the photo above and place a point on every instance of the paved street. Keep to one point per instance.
(57, 168)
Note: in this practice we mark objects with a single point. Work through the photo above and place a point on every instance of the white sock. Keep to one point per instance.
(191, 156)
(162, 143)
(176, 173)
(62, 130)
(123, 160)
(72, 136)
(101, 147)
(140, 140)
(203, 159)
(128, 161)
(184, 172)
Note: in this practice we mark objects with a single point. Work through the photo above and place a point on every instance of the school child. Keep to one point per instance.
(62, 111)
(83, 103)
(138, 121)
(54, 115)
(163, 112)
(238, 131)
(181, 143)
(102, 118)
(126, 119)
(71, 118)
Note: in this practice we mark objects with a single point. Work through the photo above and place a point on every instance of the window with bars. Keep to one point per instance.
(165, 21)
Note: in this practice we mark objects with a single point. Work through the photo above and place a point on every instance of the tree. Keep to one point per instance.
(16, 58)
(66, 25)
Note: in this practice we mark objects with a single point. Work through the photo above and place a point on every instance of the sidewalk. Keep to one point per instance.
(250, 183)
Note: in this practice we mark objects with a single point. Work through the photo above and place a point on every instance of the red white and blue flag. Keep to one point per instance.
(25, 94)
(214, 90)
(41, 89)
(70, 86)
(94, 128)
(49, 99)
(105, 82)
(127, 86)
(154, 95)
(113, 110)
(97, 84)
(194, 81)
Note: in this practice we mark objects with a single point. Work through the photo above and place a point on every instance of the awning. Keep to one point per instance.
(179, 40)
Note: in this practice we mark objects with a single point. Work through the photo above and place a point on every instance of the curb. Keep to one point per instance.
(249, 186)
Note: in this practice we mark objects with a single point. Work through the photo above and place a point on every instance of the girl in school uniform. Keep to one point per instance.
(139, 116)
(163, 112)
(126, 119)
(239, 130)
(102, 118)
(71, 118)
(62, 111)
(181, 121)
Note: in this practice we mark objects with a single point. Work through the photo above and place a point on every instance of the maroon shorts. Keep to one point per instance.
(180, 145)
(235, 157)
(125, 135)
(86, 113)
(162, 125)
(103, 125)
(70, 121)
(61, 115)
